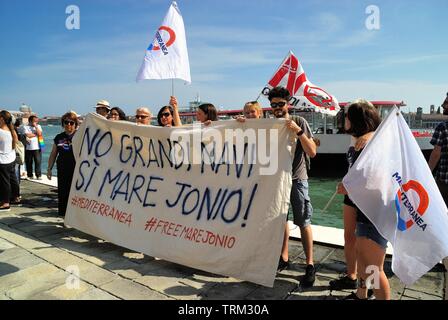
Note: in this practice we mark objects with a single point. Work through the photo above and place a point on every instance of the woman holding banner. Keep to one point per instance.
(65, 163)
(117, 114)
(168, 116)
(206, 113)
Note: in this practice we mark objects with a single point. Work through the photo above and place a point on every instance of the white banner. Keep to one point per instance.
(392, 185)
(178, 193)
(167, 56)
(304, 94)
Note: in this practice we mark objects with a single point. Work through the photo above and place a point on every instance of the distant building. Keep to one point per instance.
(420, 120)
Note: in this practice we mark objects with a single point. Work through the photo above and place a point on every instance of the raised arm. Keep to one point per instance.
(176, 116)
(308, 144)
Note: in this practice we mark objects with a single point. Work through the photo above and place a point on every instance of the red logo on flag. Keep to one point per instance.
(162, 43)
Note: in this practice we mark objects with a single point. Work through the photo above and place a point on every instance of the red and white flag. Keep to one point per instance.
(304, 94)
(167, 56)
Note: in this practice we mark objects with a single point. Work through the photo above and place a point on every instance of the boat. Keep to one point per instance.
(330, 160)
(331, 155)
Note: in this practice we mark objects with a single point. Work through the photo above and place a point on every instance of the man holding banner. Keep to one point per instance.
(300, 200)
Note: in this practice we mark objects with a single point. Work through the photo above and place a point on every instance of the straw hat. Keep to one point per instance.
(103, 104)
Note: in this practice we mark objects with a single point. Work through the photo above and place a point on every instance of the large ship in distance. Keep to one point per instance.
(330, 159)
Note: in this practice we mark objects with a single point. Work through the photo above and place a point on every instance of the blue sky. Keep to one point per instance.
(234, 48)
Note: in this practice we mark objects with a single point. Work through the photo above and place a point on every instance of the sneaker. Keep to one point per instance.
(5, 209)
(344, 282)
(352, 296)
(16, 201)
(309, 277)
(282, 264)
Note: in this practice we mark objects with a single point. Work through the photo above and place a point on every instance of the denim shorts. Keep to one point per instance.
(301, 204)
(368, 230)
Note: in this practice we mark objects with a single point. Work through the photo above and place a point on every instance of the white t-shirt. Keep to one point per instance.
(7, 153)
(33, 142)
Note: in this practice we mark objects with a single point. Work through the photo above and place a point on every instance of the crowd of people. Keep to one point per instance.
(364, 245)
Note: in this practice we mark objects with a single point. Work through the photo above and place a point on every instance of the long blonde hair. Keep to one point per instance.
(7, 117)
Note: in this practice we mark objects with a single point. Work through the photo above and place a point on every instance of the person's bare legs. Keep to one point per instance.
(306, 234)
(350, 240)
(369, 253)
(284, 253)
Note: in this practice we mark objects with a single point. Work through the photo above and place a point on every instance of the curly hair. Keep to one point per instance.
(279, 92)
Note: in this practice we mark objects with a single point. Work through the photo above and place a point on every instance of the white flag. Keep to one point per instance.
(392, 185)
(167, 56)
(305, 95)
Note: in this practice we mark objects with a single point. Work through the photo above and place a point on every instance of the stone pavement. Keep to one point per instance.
(37, 254)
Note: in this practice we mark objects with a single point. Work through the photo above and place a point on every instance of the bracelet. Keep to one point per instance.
(300, 133)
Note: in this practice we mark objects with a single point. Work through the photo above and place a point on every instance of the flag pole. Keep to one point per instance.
(329, 201)
(172, 87)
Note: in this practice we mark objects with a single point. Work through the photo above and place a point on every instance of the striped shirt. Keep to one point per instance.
(440, 138)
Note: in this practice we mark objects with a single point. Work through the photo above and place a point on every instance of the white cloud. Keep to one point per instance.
(357, 38)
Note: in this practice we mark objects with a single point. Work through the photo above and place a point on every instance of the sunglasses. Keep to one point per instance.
(280, 104)
(67, 123)
(141, 117)
(166, 114)
(112, 114)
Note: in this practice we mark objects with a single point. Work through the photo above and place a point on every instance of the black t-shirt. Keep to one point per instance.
(352, 155)
(65, 159)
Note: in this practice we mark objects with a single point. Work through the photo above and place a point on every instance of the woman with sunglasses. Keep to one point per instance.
(9, 187)
(116, 114)
(168, 116)
(65, 163)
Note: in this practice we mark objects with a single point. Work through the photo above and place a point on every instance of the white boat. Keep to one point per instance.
(330, 157)
(331, 154)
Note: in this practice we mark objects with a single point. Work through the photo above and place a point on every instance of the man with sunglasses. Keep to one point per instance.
(300, 200)
(143, 116)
